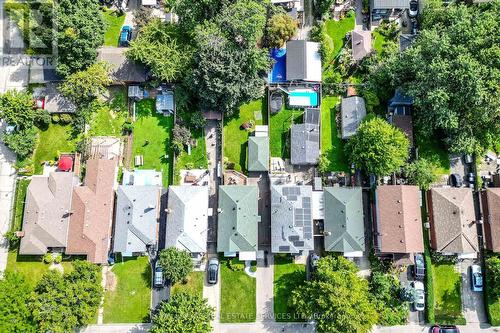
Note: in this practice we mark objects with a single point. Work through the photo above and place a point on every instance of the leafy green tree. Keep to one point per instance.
(322, 7)
(243, 21)
(184, 312)
(85, 85)
(421, 173)
(176, 264)
(15, 314)
(337, 299)
(191, 13)
(22, 142)
(319, 34)
(158, 47)
(378, 147)
(280, 28)
(62, 303)
(452, 73)
(386, 291)
(80, 31)
(17, 108)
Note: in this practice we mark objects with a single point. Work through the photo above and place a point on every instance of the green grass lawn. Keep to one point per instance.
(197, 159)
(378, 41)
(52, 141)
(152, 135)
(238, 304)
(194, 284)
(130, 301)
(279, 129)
(287, 276)
(337, 31)
(21, 188)
(235, 138)
(114, 23)
(447, 290)
(109, 119)
(331, 144)
(431, 149)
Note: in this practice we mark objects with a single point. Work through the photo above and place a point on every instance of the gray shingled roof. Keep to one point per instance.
(258, 153)
(187, 220)
(137, 210)
(291, 219)
(305, 144)
(238, 218)
(361, 44)
(344, 219)
(300, 59)
(353, 111)
(47, 212)
(122, 68)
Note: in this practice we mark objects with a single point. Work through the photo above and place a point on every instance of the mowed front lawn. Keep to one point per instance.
(279, 131)
(130, 299)
(238, 304)
(287, 276)
(193, 285)
(235, 138)
(52, 141)
(447, 291)
(331, 143)
(152, 136)
(114, 23)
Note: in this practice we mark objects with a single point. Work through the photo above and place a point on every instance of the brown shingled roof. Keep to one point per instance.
(92, 211)
(453, 228)
(491, 210)
(398, 219)
(404, 123)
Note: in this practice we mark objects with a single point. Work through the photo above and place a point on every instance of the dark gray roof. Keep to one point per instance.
(303, 61)
(137, 210)
(122, 69)
(305, 139)
(43, 74)
(353, 111)
(54, 101)
(187, 218)
(291, 219)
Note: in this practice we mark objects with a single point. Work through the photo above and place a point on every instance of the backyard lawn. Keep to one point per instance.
(235, 138)
(130, 300)
(114, 23)
(331, 144)
(197, 159)
(52, 141)
(21, 188)
(152, 133)
(378, 42)
(447, 289)
(109, 119)
(431, 149)
(287, 275)
(194, 284)
(279, 129)
(337, 31)
(238, 304)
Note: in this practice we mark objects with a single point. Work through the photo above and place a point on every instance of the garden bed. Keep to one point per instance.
(238, 292)
(197, 159)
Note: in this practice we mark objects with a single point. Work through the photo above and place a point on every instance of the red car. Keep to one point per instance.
(444, 329)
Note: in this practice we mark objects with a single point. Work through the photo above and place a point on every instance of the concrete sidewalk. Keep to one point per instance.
(7, 188)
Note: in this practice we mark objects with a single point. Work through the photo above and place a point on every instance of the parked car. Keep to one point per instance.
(213, 271)
(419, 302)
(125, 35)
(476, 277)
(419, 267)
(313, 261)
(456, 180)
(444, 329)
(413, 12)
(158, 276)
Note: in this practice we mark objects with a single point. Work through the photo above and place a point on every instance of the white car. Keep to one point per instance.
(419, 302)
(476, 278)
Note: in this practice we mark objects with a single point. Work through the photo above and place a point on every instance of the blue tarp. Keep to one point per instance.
(278, 72)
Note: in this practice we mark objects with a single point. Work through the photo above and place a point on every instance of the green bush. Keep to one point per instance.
(55, 118)
(48, 258)
(236, 265)
(65, 118)
(58, 258)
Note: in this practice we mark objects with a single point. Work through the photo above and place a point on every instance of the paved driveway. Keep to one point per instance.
(265, 289)
(472, 302)
(212, 294)
(7, 185)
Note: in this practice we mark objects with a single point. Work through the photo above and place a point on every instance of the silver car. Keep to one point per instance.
(419, 302)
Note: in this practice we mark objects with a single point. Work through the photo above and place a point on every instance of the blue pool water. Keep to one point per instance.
(310, 98)
(278, 72)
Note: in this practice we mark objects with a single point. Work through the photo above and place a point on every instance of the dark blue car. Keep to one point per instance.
(125, 35)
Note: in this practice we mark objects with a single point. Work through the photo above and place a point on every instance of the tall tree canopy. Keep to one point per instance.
(378, 147)
(157, 46)
(337, 299)
(176, 264)
(184, 312)
(85, 85)
(80, 31)
(280, 28)
(452, 72)
(15, 314)
(17, 108)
